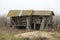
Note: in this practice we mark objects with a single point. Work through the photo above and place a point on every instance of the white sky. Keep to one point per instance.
(6, 5)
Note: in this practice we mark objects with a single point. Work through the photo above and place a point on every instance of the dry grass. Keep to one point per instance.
(8, 34)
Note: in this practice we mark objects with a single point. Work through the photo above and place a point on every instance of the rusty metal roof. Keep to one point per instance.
(13, 13)
(45, 13)
(27, 12)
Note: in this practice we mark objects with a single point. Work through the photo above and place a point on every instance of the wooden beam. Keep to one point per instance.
(27, 20)
(34, 26)
(42, 23)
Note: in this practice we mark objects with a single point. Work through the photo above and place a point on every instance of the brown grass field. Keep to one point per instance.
(7, 33)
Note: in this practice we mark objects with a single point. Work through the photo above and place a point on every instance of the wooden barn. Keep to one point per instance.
(31, 19)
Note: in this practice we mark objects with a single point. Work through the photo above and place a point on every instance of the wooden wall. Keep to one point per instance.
(43, 21)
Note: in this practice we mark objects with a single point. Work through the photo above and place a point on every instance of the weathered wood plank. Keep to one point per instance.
(43, 23)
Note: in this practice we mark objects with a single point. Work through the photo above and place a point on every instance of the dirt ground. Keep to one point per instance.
(32, 34)
(38, 34)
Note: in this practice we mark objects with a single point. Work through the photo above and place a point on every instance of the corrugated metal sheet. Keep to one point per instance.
(13, 13)
(27, 12)
(46, 13)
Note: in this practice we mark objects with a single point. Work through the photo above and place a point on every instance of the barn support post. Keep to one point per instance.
(30, 26)
(10, 22)
(30, 20)
(42, 23)
(28, 23)
(34, 26)
(46, 26)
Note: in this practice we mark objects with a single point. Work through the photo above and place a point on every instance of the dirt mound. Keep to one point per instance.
(35, 34)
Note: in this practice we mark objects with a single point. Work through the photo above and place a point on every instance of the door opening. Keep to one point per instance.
(37, 26)
(32, 26)
(20, 27)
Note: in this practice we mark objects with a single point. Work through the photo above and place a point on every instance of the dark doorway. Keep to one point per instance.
(32, 26)
(37, 26)
(20, 27)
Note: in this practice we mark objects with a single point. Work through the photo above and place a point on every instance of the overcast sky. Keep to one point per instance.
(6, 5)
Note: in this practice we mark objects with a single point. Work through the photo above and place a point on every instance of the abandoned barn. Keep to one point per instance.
(31, 19)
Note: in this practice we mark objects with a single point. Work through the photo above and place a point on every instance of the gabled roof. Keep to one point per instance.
(43, 13)
(13, 13)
